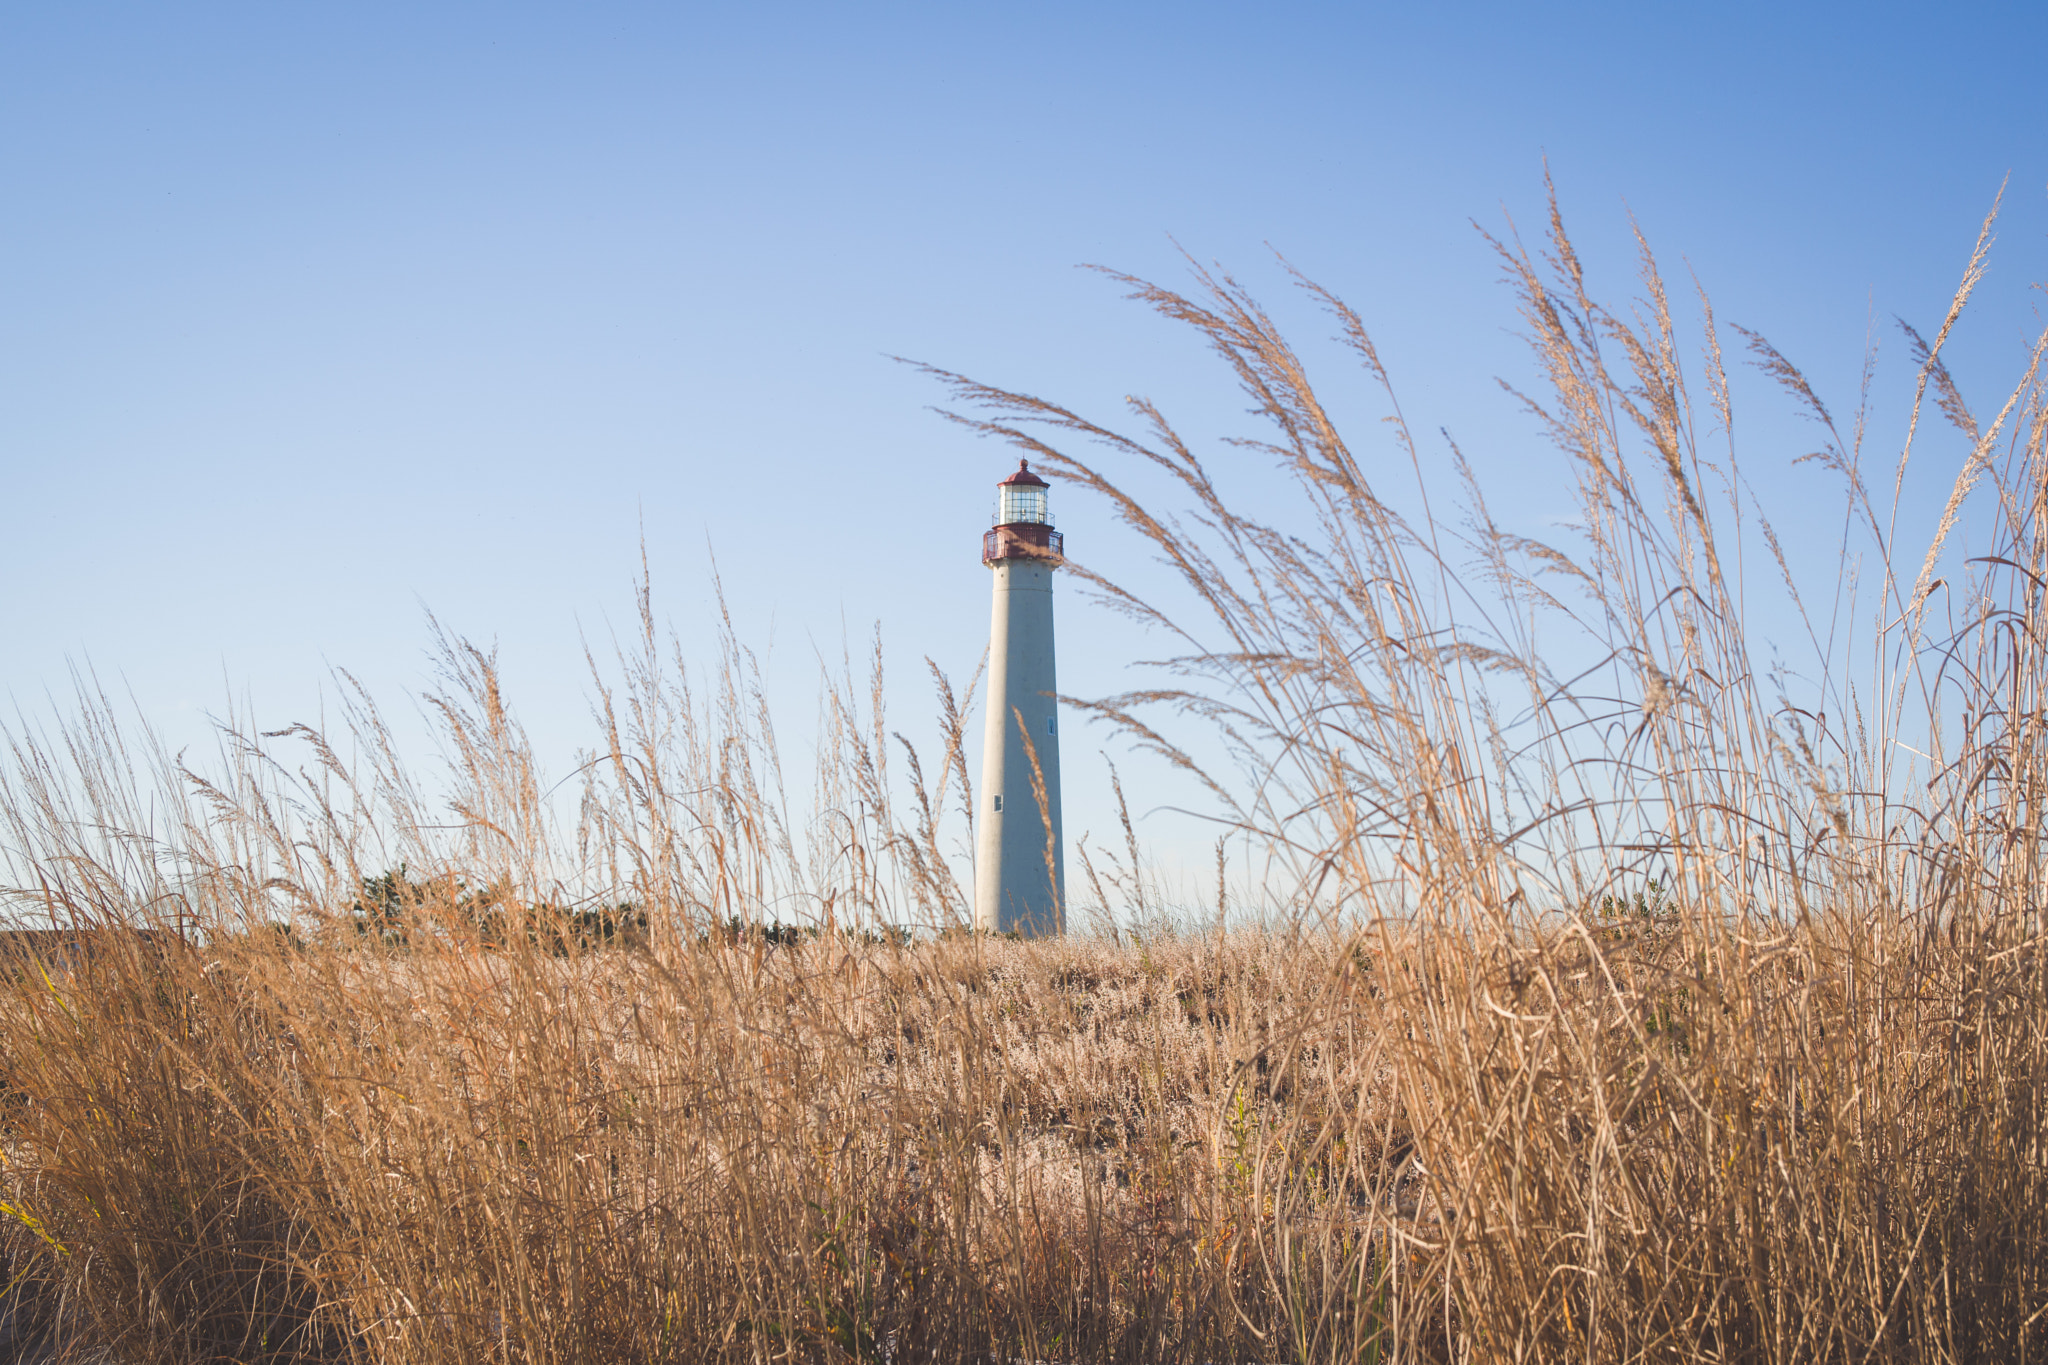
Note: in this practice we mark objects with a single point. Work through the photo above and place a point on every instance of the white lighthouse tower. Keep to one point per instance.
(1019, 858)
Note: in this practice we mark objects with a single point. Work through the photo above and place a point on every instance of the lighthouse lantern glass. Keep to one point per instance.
(1022, 502)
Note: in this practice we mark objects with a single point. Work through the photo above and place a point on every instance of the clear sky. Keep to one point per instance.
(312, 315)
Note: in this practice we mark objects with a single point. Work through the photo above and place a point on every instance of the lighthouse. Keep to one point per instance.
(1019, 858)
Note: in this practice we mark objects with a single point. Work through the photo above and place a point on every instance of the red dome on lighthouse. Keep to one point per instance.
(1024, 476)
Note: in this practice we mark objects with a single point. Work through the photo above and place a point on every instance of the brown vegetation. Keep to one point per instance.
(1644, 1010)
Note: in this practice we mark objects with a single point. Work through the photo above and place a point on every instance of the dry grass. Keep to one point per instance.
(1465, 1097)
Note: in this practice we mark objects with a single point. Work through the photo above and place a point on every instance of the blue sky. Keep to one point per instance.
(313, 315)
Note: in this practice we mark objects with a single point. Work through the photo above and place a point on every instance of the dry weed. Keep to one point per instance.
(1613, 1004)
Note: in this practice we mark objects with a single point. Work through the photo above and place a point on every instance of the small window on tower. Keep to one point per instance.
(1048, 726)
(999, 801)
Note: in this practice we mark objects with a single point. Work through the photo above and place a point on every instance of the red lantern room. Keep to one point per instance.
(1023, 524)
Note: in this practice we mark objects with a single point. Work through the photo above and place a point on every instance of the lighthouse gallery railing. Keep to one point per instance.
(1021, 540)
